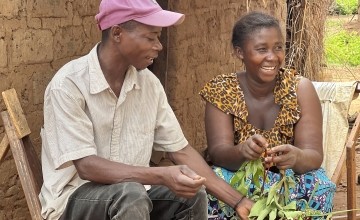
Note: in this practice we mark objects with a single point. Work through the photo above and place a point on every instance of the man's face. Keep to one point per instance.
(141, 45)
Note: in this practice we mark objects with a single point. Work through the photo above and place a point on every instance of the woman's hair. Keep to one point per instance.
(249, 23)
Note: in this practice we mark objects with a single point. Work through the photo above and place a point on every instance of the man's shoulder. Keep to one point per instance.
(70, 69)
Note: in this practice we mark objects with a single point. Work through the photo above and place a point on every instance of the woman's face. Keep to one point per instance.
(263, 53)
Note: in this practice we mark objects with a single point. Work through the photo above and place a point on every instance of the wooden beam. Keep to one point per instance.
(4, 147)
(23, 167)
(351, 168)
(16, 113)
(339, 167)
(350, 177)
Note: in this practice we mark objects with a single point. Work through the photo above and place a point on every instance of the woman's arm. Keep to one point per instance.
(220, 139)
(307, 152)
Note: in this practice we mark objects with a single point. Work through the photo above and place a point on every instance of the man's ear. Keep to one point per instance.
(116, 32)
(238, 52)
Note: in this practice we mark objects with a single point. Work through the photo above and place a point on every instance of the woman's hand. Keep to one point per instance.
(283, 156)
(253, 147)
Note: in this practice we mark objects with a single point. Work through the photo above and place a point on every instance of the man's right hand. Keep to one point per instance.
(183, 181)
(243, 209)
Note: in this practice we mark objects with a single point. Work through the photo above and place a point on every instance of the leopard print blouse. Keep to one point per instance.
(224, 92)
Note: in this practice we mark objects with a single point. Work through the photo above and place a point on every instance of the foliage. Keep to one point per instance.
(345, 7)
(271, 203)
(343, 48)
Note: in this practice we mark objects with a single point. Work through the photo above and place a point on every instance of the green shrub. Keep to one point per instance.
(343, 48)
(346, 7)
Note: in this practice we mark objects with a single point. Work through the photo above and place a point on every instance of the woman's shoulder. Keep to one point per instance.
(221, 82)
(222, 91)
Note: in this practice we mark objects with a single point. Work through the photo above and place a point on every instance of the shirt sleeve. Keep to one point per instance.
(68, 132)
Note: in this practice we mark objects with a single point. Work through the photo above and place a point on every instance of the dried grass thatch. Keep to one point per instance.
(305, 34)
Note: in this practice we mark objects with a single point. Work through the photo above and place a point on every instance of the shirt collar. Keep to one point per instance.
(98, 82)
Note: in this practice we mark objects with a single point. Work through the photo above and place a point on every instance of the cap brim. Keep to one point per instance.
(162, 18)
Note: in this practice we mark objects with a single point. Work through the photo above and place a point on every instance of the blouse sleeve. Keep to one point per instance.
(222, 92)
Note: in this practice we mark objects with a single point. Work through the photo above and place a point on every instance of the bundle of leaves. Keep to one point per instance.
(274, 202)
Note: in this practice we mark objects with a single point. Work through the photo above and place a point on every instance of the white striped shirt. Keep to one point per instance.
(83, 117)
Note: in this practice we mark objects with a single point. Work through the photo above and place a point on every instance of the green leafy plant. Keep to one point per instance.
(346, 7)
(343, 47)
(273, 203)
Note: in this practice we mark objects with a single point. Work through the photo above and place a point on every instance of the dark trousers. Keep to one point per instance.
(130, 201)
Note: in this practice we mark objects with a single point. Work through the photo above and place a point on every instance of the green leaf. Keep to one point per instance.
(290, 206)
(272, 215)
(293, 214)
(272, 192)
(264, 213)
(258, 207)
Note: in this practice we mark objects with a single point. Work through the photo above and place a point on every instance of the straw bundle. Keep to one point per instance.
(305, 33)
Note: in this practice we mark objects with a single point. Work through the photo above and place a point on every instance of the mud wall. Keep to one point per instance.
(37, 37)
(200, 48)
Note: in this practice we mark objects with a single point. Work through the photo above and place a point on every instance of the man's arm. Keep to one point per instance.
(214, 185)
(180, 179)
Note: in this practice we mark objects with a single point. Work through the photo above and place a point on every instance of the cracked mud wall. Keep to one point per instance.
(37, 37)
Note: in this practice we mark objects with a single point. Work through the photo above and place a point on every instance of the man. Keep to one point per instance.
(103, 115)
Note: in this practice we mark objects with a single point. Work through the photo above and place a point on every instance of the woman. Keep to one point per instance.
(265, 108)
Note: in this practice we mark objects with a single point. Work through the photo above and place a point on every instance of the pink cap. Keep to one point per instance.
(113, 12)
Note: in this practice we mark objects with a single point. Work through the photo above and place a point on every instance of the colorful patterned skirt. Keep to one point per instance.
(321, 199)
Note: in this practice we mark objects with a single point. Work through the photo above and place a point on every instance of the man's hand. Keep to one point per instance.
(183, 181)
(243, 209)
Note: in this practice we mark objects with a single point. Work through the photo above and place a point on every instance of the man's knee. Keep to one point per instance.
(202, 198)
(132, 192)
(131, 200)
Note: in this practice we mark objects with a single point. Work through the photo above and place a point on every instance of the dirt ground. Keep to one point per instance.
(353, 24)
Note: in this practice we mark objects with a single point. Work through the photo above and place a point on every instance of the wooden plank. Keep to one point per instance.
(16, 113)
(34, 163)
(4, 147)
(338, 169)
(343, 217)
(23, 167)
(351, 168)
(350, 176)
